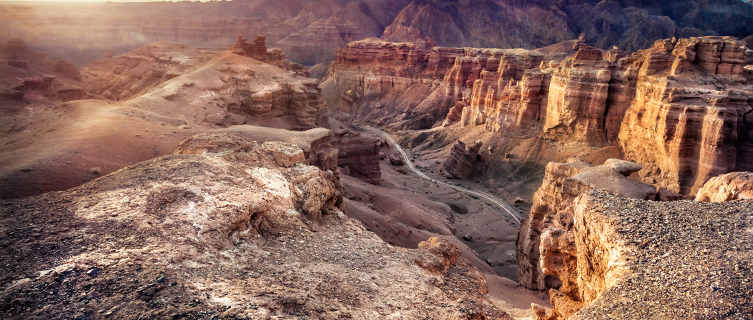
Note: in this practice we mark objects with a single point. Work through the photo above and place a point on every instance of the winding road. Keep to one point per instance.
(504, 206)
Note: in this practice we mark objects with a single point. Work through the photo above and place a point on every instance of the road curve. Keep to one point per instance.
(504, 206)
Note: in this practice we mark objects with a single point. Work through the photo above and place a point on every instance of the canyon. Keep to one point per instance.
(327, 159)
(695, 92)
(679, 110)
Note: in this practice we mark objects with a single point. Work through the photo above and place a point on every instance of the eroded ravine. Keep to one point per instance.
(501, 204)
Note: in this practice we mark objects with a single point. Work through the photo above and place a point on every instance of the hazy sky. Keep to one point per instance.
(67, 1)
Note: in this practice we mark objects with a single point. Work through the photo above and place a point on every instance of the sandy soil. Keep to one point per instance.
(47, 145)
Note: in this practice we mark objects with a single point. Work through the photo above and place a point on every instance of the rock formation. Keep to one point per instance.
(462, 160)
(399, 85)
(694, 93)
(244, 91)
(650, 260)
(241, 230)
(553, 210)
(18, 64)
(401, 33)
(576, 105)
(258, 50)
(360, 155)
(108, 54)
(17, 48)
(68, 70)
(698, 89)
(727, 187)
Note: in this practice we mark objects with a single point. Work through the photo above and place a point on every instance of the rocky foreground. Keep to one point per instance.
(224, 228)
(638, 259)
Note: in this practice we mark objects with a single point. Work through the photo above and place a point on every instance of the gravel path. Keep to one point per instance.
(501, 204)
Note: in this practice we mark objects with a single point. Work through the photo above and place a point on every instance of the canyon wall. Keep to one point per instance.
(398, 85)
(649, 260)
(552, 210)
(695, 92)
(247, 83)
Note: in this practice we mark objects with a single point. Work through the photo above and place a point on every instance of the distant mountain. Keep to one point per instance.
(310, 31)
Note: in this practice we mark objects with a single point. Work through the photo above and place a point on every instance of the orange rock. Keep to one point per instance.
(727, 187)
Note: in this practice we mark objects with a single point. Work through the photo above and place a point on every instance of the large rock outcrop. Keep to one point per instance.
(462, 160)
(552, 213)
(241, 230)
(727, 187)
(402, 86)
(643, 259)
(576, 105)
(358, 155)
(689, 120)
(695, 92)
(234, 88)
(69, 70)
(508, 92)
(257, 50)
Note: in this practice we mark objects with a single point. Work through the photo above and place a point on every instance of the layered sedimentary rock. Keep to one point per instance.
(695, 92)
(552, 211)
(108, 54)
(643, 259)
(567, 98)
(576, 105)
(197, 233)
(359, 155)
(400, 85)
(690, 118)
(17, 50)
(257, 50)
(69, 70)
(508, 92)
(727, 187)
(245, 91)
(462, 160)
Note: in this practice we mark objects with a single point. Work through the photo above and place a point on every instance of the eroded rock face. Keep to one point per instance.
(241, 90)
(69, 70)
(508, 92)
(360, 155)
(257, 50)
(577, 98)
(727, 187)
(620, 248)
(462, 160)
(226, 230)
(688, 121)
(551, 218)
(697, 89)
(402, 86)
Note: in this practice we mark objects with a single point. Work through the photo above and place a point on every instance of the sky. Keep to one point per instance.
(68, 1)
